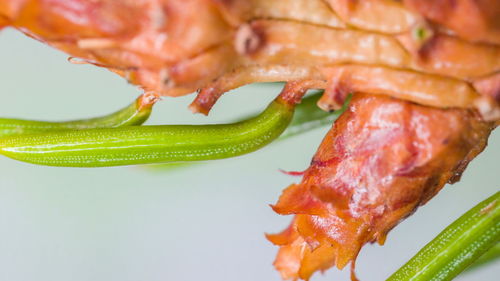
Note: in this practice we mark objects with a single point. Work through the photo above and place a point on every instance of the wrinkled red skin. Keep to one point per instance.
(175, 47)
(381, 160)
(165, 41)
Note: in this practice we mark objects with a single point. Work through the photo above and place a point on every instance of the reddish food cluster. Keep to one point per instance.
(382, 159)
(425, 76)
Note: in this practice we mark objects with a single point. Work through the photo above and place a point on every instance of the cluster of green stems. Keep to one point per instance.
(118, 139)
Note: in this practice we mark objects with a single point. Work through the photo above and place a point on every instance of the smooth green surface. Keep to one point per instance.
(131, 115)
(456, 247)
(307, 117)
(149, 144)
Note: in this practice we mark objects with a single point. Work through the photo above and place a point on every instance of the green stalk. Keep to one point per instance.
(150, 144)
(456, 247)
(307, 117)
(134, 114)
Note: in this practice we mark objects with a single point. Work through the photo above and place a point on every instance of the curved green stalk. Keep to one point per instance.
(150, 144)
(134, 114)
(456, 247)
(307, 117)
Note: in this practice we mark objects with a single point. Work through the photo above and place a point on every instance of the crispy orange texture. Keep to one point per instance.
(381, 160)
(175, 47)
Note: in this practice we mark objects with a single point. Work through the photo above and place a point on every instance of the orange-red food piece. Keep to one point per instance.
(381, 160)
(143, 40)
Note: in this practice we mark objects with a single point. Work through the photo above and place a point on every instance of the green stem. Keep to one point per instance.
(150, 144)
(456, 247)
(307, 117)
(134, 114)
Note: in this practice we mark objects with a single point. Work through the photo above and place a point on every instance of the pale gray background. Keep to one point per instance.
(201, 223)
